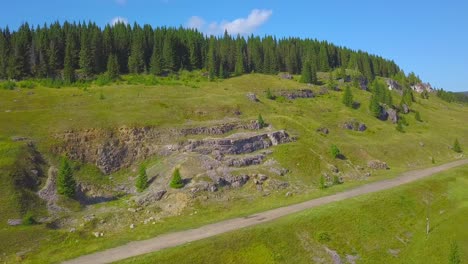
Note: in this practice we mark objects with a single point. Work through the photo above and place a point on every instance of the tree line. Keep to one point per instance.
(83, 50)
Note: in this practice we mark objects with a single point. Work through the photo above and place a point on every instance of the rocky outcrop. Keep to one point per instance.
(392, 115)
(421, 87)
(238, 144)
(111, 150)
(394, 86)
(245, 161)
(354, 125)
(405, 109)
(252, 97)
(377, 165)
(364, 83)
(294, 94)
(150, 197)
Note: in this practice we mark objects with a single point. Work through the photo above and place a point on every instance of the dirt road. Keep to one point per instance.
(174, 239)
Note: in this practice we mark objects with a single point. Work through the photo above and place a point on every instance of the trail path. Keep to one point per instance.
(137, 248)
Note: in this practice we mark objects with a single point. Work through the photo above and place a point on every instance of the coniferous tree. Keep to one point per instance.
(348, 97)
(456, 146)
(239, 68)
(211, 58)
(142, 179)
(113, 67)
(374, 106)
(65, 183)
(156, 61)
(69, 70)
(176, 181)
(86, 63)
(306, 73)
(261, 122)
(323, 58)
(4, 50)
(168, 53)
(136, 63)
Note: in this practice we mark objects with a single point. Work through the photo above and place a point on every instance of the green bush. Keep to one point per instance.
(336, 180)
(417, 116)
(323, 236)
(456, 146)
(176, 181)
(27, 84)
(8, 85)
(270, 95)
(28, 219)
(260, 121)
(103, 79)
(335, 151)
(322, 184)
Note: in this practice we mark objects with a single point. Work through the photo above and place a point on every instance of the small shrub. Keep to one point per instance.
(28, 84)
(454, 257)
(101, 96)
(456, 146)
(399, 127)
(176, 181)
(417, 116)
(270, 95)
(260, 121)
(335, 151)
(336, 180)
(103, 79)
(322, 184)
(323, 236)
(8, 85)
(28, 219)
(433, 160)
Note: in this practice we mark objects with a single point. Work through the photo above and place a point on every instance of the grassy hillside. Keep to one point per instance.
(191, 100)
(387, 227)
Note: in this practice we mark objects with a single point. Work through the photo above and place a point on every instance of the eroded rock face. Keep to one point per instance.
(421, 87)
(245, 161)
(394, 86)
(111, 150)
(392, 115)
(377, 165)
(405, 108)
(303, 93)
(238, 144)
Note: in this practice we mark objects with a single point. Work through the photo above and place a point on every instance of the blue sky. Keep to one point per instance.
(427, 37)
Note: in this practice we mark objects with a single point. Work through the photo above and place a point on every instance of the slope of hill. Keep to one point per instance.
(232, 165)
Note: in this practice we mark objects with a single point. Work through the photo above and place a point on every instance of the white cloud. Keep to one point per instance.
(118, 19)
(121, 2)
(241, 26)
(196, 22)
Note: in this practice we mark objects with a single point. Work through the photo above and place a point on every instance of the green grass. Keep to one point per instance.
(367, 226)
(190, 100)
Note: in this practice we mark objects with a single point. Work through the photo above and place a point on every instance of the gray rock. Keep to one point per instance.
(245, 161)
(286, 76)
(252, 97)
(323, 130)
(354, 125)
(238, 144)
(132, 226)
(421, 87)
(294, 94)
(150, 197)
(383, 114)
(15, 222)
(279, 171)
(405, 108)
(237, 181)
(394, 86)
(18, 138)
(333, 168)
(334, 255)
(392, 115)
(377, 165)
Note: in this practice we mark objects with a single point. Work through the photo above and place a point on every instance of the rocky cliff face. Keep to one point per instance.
(112, 150)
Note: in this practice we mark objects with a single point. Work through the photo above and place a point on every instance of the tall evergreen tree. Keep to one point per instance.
(323, 58)
(69, 69)
(142, 180)
(348, 97)
(4, 50)
(168, 53)
(65, 183)
(374, 106)
(211, 58)
(136, 63)
(306, 73)
(86, 60)
(113, 66)
(156, 61)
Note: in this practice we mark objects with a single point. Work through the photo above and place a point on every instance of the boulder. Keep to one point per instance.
(252, 97)
(354, 125)
(394, 86)
(323, 130)
(377, 165)
(150, 197)
(422, 87)
(405, 109)
(286, 76)
(392, 115)
(14, 222)
(383, 114)
(363, 83)
(236, 181)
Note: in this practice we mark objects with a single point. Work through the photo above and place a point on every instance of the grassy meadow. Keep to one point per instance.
(40, 113)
